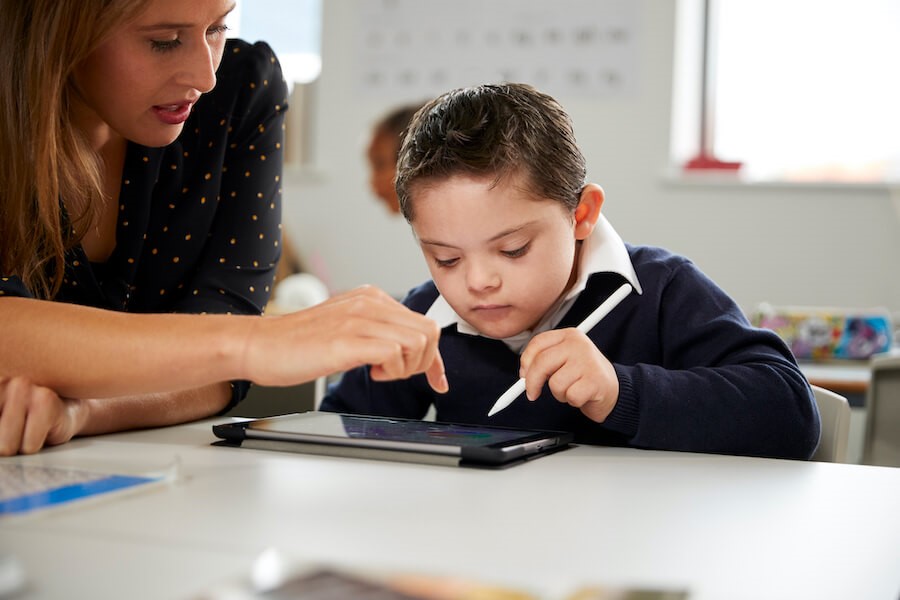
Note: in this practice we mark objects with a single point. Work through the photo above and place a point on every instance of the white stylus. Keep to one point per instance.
(592, 319)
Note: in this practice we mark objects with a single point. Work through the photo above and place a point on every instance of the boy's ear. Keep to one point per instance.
(588, 210)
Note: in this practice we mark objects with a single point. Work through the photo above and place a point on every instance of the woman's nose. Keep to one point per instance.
(200, 69)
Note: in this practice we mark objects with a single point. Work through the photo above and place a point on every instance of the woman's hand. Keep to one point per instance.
(33, 416)
(364, 326)
(576, 371)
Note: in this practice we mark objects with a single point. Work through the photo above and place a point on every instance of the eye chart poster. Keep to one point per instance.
(419, 48)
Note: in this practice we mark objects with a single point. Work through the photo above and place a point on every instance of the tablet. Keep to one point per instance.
(385, 438)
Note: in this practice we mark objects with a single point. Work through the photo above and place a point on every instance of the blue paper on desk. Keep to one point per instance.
(27, 488)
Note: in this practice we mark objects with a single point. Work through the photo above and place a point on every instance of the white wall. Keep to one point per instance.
(812, 245)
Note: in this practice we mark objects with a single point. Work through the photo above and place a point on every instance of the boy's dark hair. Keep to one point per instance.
(395, 122)
(493, 131)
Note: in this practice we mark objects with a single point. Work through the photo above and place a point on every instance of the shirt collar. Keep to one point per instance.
(602, 252)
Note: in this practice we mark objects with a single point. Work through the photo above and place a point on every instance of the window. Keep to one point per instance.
(800, 90)
(292, 27)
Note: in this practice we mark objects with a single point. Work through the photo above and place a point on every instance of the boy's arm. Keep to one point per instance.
(720, 386)
(357, 393)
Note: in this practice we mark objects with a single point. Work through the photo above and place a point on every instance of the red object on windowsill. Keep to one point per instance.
(706, 162)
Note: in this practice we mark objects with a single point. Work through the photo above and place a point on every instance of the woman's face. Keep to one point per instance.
(143, 80)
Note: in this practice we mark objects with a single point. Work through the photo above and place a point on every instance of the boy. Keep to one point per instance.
(492, 182)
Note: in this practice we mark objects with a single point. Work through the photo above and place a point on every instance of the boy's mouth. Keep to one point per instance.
(489, 306)
(492, 312)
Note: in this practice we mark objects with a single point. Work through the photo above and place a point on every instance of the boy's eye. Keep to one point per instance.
(518, 252)
(446, 263)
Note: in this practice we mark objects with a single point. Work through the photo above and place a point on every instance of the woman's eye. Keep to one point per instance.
(164, 45)
(167, 45)
(217, 30)
(517, 252)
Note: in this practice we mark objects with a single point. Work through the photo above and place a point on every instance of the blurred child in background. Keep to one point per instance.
(382, 152)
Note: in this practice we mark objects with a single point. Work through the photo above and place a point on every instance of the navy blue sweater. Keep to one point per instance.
(694, 375)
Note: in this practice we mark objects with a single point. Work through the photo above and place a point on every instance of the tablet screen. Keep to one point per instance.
(380, 428)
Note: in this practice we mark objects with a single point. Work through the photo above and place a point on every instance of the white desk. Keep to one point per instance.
(724, 527)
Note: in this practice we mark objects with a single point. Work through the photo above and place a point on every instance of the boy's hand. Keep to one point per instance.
(576, 371)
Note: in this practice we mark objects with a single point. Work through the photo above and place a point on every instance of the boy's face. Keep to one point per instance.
(499, 257)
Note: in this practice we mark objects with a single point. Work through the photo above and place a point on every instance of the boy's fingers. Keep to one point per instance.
(538, 345)
(547, 357)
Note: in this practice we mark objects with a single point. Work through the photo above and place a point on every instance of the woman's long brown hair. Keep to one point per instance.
(43, 157)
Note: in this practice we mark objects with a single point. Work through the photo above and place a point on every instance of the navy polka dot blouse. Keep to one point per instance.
(200, 219)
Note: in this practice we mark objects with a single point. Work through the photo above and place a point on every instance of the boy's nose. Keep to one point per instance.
(481, 277)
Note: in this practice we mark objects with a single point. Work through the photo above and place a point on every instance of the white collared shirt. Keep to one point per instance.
(602, 252)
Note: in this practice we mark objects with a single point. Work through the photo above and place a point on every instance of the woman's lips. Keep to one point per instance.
(173, 114)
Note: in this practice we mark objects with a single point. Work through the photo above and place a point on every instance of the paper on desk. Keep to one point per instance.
(27, 488)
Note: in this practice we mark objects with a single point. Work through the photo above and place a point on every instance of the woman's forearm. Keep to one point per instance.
(83, 352)
(151, 410)
(33, 416)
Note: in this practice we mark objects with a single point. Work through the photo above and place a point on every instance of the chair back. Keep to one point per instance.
(269, 401)
(882, 441)
(834, 412)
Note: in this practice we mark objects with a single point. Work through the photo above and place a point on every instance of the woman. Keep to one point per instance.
(140, 227)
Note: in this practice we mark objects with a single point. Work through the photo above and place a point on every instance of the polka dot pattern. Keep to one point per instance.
(194, 236)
